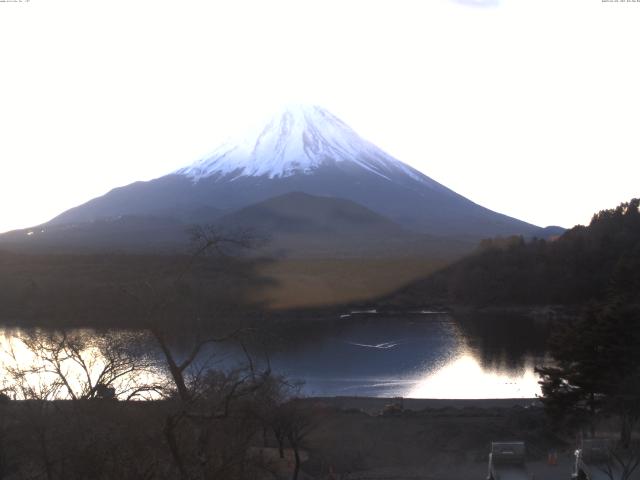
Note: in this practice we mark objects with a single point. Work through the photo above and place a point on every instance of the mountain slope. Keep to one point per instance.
(298, 140)
(302, 225)
(294, 225)
(128, 233)
(298, 212)
(304, 149)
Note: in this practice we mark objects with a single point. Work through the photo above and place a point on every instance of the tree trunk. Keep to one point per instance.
(280, 439)
(176, 373)
(296, 454)
(592, 416)
(626, 427)
(170, 435)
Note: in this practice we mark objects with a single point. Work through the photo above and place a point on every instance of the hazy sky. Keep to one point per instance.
(528, 107)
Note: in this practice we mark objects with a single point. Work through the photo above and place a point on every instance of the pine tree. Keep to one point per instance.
(596, 370)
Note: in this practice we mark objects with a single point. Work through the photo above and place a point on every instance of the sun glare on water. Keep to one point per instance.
(464, 378)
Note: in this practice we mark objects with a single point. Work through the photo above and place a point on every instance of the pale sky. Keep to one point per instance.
(528, 107)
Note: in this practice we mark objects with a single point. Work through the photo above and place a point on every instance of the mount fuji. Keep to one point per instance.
(298, 141)
(301, 149)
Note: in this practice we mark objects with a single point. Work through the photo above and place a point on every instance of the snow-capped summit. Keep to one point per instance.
(298, 140)
(301, 149)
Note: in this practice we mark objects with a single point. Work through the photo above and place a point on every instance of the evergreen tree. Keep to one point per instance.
(596, 370)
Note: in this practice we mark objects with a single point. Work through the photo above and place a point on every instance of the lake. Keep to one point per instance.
(413, 355)
(418, 355)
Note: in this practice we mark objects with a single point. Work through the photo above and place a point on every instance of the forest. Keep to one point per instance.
(586, 263)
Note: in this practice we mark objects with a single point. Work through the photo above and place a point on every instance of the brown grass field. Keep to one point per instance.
(300, 283)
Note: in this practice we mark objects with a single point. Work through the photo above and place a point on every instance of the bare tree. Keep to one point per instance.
(205, 419)
(80, 365)
(622, 462)
(206, 400)
(617, 461)
(302, 420)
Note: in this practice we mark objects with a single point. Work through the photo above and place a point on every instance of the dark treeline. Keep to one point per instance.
(584, 264)
(113, 290)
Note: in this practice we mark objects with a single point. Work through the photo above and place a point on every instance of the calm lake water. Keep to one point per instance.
(418, 355)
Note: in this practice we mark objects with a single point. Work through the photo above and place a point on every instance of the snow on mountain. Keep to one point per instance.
(298, 140)
(302, 149)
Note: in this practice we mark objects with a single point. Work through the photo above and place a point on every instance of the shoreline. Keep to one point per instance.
(376, 404)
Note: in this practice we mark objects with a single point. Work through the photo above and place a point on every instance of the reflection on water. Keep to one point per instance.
(426, 355)
(464, 377)
(420, 355)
